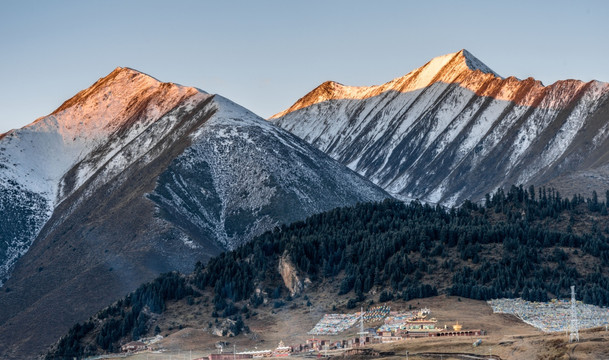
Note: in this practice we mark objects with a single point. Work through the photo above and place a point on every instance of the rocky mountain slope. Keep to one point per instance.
(133, 177)
(82, 134)
(453, 129)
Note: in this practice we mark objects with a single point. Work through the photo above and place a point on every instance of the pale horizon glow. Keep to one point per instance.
(266, 55)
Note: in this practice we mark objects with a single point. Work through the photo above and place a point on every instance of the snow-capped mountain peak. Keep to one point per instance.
(106, 104)
(475, 64)
(462, 61)
(449, 68)
(431, 133)
(461, 67)
(122, 99)
(41, 164)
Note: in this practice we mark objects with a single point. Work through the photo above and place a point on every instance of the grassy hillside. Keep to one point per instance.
(521, 243)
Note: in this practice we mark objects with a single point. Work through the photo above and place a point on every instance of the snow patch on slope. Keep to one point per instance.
(242, 176)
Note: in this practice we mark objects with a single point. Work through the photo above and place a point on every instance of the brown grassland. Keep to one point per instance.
(506, 336)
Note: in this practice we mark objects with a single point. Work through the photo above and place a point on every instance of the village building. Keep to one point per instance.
(317, 344)
(404, 326)
(257, 354)
(282, 350)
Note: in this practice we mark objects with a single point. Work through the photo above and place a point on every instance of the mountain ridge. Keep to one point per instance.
(36, 158)
(459, 63)
(440, 121)
(161, 176)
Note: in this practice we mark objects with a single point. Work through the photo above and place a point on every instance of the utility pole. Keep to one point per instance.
(574, 336)
(362, 334)
(361, 321)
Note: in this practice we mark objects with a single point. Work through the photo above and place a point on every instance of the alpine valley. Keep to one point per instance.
(133, 177)
(283, 219)
(454, 129)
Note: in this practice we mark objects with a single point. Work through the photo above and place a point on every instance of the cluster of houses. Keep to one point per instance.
(399, 326)
(396, 327)
(416, 325)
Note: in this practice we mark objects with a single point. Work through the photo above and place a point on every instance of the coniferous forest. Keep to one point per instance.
(529, 243)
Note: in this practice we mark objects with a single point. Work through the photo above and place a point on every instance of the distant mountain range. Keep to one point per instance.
(133, 177)
(454, 129)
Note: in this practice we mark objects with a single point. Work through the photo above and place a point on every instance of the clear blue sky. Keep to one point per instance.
(265, 55)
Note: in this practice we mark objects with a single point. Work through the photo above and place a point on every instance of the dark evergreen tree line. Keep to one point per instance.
(398, 246)
(503, 248)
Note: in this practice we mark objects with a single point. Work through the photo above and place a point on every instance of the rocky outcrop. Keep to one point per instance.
(291, 279)
(228, 328)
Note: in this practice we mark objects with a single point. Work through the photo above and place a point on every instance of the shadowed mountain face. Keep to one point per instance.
(453, 130)
(133, 177)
